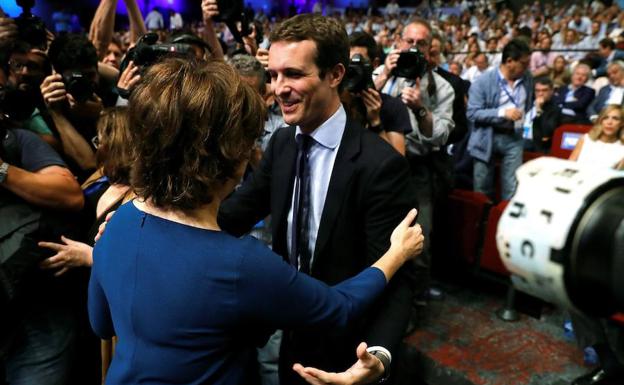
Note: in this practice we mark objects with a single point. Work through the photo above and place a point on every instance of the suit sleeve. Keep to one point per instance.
(389, 196)
(584, 98)
(251, 202)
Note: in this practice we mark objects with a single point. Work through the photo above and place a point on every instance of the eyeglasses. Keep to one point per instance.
(19, 66)
(420, 44)
(95, 141)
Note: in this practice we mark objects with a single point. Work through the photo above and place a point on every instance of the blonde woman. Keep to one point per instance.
(603, 146)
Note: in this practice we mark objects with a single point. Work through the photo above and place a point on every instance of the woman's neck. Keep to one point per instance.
(203, 217)
(608, 138)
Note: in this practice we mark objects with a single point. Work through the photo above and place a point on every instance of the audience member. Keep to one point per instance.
(613, 93)
(608, 54)
(560, 74)
(497, 116)
(603, 146)
(542, 119)
(574, 100)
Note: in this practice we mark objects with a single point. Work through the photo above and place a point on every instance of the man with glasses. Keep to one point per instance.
(430, 105)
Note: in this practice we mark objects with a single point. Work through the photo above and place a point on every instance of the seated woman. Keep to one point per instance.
(603, 145)
(189, 302)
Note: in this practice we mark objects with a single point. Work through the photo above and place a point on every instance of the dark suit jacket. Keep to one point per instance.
(544, 126)
(600, 101)
(602, 68)
(583, 95)
(369, 193)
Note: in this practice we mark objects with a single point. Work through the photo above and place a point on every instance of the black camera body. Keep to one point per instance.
(231, 12)
(79, 86)
(411, 64)
(359, 75)
(147, 52)
(30, 28)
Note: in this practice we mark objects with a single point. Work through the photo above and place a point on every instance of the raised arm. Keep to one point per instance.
(137, 25)
(102, 26)
(210, 9)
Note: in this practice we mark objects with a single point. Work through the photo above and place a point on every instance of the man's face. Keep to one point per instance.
(604, 51)
(543, 91)
(615, 74)
(113, 55)
(26, 70)
(306, 99)
(481, 62)
(455, 69)
(416, 35)
(546, 43)
(580, 76)
(595, 28)
(434, 52)
(518, 67)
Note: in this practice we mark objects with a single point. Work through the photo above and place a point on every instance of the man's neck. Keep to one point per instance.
(335, 105)
(505, 71)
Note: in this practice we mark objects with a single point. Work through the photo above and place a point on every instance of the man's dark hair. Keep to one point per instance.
(71, 51)
(607, 43)
(515, 49)
(330, 37)
(363, 39)
(545, 81)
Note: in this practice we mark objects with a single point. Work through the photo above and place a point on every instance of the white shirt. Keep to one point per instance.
(321, 160)
(175, 21)
(154, 20)
(600, 154)
(615, 96)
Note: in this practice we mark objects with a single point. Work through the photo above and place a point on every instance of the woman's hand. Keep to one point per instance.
(69, 254)
(129, 77)
(407, 240)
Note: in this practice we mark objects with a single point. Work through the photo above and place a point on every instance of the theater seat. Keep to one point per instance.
(464, 224)
(490, 259)
(565, 138)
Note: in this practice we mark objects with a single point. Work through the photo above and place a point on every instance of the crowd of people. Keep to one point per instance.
(237, 205)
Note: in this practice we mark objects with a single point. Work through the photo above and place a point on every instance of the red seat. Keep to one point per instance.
(465, 216)
(490, 259)
(565, 138)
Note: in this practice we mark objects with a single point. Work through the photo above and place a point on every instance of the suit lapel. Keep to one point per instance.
(282, 185)
(340, 179)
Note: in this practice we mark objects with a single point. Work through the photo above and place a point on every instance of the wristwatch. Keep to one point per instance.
(385, 357)
(421, 113)
(4, 169)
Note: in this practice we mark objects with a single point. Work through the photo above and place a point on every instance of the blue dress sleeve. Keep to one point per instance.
(274, 293)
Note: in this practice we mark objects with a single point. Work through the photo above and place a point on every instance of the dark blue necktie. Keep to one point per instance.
(300, 245)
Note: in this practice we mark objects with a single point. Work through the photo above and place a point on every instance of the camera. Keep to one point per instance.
(411, 64)
(359, 75)
(79, 86)
(231, 12)
(562, 235)
(30, 28)
(147, 52)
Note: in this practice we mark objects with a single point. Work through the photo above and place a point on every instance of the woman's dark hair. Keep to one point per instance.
(114, 153)
(193, 124)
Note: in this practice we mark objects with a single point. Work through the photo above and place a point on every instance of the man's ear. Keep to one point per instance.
(336, 74)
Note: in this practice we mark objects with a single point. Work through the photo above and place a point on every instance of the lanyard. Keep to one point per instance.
(503, 84)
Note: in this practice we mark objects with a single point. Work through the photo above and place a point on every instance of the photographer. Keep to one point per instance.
(37, 323)
(74, 98)
(382, 113)
(27, 67)
(429, 98)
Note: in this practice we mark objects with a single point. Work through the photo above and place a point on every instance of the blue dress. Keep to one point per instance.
(189, 304)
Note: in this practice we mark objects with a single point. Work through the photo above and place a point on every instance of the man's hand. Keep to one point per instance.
(129, 77)
(372, 101)
(53, 91)
(366, 370)
(210, 9)
(391, 61)
(411, 96)
(69, 254)
(8, 31)
(513, 114)
(263, 57)
(103, 226)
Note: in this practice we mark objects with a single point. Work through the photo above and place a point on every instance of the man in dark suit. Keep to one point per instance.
(575, 98)
(608, 54)
(359, 190)
(613, 93)
(543, 118)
